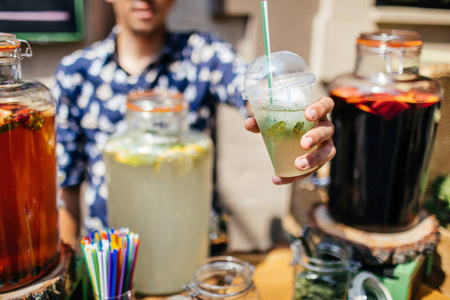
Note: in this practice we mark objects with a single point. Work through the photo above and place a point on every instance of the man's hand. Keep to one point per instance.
(320, 135)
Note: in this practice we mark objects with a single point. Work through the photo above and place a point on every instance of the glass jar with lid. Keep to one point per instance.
(29, 236)
(221, 277)
(324, 273)
(159, 177)
(385, 119)
(324, 270)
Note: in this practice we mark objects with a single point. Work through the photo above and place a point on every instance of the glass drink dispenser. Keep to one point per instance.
(29, 239)
(159, 176)
(385, 117)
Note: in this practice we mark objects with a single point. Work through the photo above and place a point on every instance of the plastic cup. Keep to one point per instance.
(279, 106)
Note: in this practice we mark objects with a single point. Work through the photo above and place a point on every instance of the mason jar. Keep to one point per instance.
(366, 285)
(325, 273)
(29, 238)
(159, 178)
(385, 119)
(221, 277)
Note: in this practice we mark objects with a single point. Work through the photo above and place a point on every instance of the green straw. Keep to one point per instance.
(265, 22)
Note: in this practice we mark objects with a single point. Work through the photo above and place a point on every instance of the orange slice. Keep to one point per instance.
(5, 116)
(346, 92)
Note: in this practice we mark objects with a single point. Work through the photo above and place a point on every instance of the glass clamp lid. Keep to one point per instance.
(391, 40)
(366, 286)
(10, 47)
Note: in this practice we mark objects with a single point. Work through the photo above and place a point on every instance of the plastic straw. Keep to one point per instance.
(122, 271)
(110, 255)
(136, 249)
(265, 23)
(114, 268)
(110, 258)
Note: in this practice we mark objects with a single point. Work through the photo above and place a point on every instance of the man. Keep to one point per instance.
(92, 85)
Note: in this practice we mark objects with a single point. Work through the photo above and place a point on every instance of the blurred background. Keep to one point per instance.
(323, 32)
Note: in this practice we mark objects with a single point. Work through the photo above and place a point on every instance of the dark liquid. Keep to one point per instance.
(29, 241)
(383, 147)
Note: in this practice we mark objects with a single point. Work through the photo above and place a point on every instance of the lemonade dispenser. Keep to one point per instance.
(159, 176)
(29, 239)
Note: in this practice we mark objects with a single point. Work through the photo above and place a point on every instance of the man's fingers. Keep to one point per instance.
(251, 125)
(319, 109)
(317, 158)
(323, 131)
(324, 152)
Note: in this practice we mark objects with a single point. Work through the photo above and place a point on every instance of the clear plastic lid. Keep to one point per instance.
(287, 69)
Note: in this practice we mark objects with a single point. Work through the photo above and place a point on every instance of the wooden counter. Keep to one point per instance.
(274, 277)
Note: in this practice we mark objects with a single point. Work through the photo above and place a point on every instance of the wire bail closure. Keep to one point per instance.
(193, 292)
(16, 45)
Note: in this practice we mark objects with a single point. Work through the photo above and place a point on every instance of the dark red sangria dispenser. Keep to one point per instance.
(385, 118)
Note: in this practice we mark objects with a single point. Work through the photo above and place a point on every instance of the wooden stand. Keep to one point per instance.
(382, 248)
(57, 284)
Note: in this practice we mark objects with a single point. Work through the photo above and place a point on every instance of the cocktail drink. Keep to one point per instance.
(384, 142)
(282, 128)
(279, 107)
(165, 196)
(29, 239)
(160, 185)
(29, 218)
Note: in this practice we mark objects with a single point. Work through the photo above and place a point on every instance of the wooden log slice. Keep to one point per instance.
(382, 248)
(57, 284)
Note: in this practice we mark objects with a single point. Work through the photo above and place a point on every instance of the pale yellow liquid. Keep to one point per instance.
(166, 201)
(284, 148)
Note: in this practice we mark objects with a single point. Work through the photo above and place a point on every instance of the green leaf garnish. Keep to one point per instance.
(9, 126)
(35, 122)
(276, 129)
(298, 127)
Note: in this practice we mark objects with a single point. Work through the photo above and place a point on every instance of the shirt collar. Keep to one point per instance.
(109, 45)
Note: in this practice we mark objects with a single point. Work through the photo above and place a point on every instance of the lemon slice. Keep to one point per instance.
(127, 158)
(194, 151)
(174, 161)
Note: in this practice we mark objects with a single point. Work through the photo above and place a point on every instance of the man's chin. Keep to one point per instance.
(145, 30)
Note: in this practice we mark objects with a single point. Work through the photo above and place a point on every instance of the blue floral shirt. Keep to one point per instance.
(91, 89)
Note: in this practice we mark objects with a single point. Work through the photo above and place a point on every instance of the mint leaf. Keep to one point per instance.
(35, 122)
(276, 129)
(298, 127)
(9, 126)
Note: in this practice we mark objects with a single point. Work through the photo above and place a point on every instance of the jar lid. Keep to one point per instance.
(366, 285)
(156, 101)
(391, 38)
(223, 275)
(9, 42)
